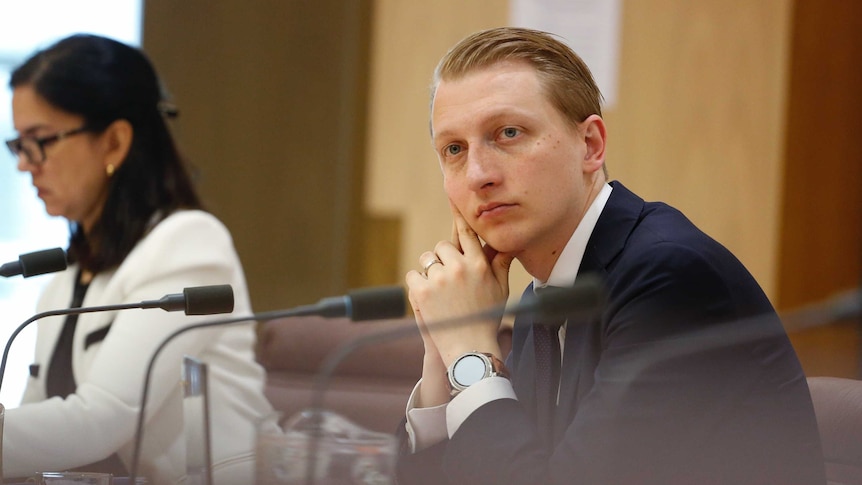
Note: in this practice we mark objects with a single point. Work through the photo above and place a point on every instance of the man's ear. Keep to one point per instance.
(595, 137)
(117, 141)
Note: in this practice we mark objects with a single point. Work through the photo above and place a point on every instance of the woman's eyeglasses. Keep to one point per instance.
(34, 147)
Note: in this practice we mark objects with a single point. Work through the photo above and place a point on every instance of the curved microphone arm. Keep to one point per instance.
(583, 300)
(139, 434)
(54, 313)
(194, 300)
(364, 304)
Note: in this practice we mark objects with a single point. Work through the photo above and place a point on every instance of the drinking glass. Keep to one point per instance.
(339, 451)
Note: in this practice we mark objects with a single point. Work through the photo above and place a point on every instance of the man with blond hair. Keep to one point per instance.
(685, 376)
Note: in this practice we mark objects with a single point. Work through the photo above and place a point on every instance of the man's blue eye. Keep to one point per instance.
(453, 149)
(510, 132)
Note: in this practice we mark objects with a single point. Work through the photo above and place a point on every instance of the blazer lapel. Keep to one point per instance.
(583, 344)
(618, 219)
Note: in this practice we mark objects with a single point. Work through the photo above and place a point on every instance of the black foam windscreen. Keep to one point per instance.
(377, 303)
(208, 300)
(36, 263)
(42, 262)
(845, 305)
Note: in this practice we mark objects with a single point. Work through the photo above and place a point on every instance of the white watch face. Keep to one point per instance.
(469, 370)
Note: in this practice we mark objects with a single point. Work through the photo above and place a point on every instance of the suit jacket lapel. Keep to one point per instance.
(618, 219)
(583, 344)
(583, 339)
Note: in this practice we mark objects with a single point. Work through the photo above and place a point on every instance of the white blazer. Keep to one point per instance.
(188, 248)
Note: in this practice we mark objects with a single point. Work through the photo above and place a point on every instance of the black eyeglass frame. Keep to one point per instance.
(16, 145)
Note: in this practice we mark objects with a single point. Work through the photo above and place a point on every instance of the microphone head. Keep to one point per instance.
(847, 305)
(841, 306)
(42, 262)
(377, 303)
(208, 300)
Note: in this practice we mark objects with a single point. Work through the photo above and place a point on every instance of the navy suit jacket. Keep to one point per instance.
(686, 377)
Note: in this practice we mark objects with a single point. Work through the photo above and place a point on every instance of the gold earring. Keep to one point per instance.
(109, 169)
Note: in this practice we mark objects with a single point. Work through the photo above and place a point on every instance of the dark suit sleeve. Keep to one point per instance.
(423, 468)
(683, 390)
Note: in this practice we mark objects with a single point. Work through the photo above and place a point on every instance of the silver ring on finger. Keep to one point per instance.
(429, 264)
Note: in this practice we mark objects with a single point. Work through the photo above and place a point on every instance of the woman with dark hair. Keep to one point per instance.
(90, 116)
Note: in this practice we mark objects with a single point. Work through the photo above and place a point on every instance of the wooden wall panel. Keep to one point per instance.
(272, 95)
(821, 213)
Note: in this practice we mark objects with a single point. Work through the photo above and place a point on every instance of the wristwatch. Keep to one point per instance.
(471, 368)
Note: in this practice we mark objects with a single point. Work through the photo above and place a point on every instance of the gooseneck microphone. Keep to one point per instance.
(196, 300)
(376, 303)
(35, 263)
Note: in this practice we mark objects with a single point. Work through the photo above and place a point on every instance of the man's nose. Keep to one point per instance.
(483, 168)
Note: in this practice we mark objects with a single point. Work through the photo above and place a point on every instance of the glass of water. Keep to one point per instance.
(336, 450)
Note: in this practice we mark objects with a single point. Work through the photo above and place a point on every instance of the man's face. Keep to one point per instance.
(511, 163)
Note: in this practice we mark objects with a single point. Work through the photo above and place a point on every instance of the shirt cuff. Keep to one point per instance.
(475, 396)
(425, 426)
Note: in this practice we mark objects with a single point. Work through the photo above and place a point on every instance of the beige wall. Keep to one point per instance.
(697, 123)
(699, 118)
(403, 178)
(271, 95)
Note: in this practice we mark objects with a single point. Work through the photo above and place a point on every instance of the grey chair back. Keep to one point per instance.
(838, 407)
